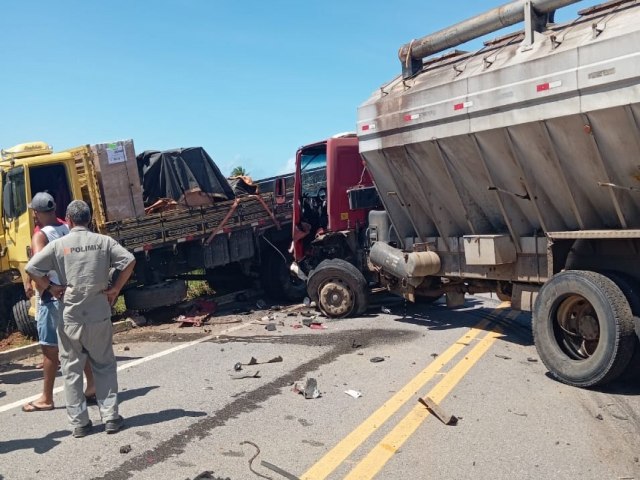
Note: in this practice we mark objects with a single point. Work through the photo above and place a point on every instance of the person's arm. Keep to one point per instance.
(113, 291)
(38, 242)
(40, 265)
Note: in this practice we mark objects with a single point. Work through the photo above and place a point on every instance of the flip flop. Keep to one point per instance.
(32, 407)
(91, 400)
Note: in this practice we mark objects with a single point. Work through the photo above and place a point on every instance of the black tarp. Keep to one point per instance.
(173, 173)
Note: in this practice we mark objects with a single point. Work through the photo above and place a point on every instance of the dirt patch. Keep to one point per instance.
(14, 340)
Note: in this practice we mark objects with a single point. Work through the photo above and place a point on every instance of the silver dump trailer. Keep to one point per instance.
(516, 169)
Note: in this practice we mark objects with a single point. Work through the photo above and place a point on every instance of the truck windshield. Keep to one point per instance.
(313, 167)
(14, 202)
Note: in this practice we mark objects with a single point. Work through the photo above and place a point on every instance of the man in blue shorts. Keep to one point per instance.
(49, 309)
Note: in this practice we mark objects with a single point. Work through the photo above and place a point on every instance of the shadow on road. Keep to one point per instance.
(161, 416)
(38, 445)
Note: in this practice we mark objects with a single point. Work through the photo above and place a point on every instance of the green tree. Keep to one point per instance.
(239, 172)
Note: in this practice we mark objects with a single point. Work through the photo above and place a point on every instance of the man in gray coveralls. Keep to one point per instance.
(82, 260)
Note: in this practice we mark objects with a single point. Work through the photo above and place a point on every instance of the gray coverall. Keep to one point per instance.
(82, 260)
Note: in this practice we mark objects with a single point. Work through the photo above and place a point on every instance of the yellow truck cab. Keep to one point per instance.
(26, 169)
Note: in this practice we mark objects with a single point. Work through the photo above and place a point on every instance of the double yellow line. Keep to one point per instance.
(375, 460)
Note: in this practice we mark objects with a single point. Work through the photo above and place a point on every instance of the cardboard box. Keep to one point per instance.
(120, 185)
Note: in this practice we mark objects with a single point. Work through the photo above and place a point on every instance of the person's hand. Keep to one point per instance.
(112, 294)
(29, 291)
(57, 291)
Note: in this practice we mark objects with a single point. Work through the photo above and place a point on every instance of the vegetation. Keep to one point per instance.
(239, 172)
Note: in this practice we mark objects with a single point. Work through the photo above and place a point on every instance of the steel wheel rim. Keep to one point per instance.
(336, 298)
(576, 327)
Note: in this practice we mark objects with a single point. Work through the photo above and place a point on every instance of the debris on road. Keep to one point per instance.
(355, 344)
(310, 389)
(385, 310)
(125, 448)
(278, 470)
(253, 458)
(137, 320)
(237, 367)
(353, 393)
(246, 375)
(504, 357)
(199, 311)
(318, 326)
(436, 410)
(434, 355)
(271, 327)
(376, 359)
(531, 359)
(254, 361)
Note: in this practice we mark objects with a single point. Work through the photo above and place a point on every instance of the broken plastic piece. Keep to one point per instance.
(353, 393)
(318, 326)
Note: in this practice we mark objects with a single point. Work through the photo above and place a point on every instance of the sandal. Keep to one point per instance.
(32, 407)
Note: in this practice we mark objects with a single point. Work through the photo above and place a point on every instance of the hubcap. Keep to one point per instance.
(336, 298)
(579, 330)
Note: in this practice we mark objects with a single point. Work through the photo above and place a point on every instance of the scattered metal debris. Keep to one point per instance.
(376, 360)
(353, 393)
(531, 359)
(125, 448)
(311, 389)
(436, 410)
(278, 470)
(504, 357)
(253, 458)
(237, 367)
(271, 327)
(256, 374)
(599, 416)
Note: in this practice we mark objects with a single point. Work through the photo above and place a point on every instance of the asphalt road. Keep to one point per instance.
(187, 414)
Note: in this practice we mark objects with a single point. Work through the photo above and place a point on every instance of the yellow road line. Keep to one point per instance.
(342, 450)
(383, 451)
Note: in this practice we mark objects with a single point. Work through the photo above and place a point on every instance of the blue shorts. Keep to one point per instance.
(47, 318)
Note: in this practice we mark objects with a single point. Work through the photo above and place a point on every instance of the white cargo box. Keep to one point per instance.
(120, 185)
(489, 249)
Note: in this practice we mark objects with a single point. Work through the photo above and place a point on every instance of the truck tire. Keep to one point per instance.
(26, 324)
(158, 295)
(276, 279)
(338, 288)
(583, 328)
(631, 290)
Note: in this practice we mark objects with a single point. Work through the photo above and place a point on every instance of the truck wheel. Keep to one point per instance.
(158, 295)
(276, 279)
(338, 288)
(26, 324)
(631, 290)
(583, 328)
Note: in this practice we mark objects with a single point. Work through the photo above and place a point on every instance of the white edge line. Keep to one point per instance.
(134, 363)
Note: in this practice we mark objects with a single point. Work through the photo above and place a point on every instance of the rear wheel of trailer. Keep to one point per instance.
(583, 328)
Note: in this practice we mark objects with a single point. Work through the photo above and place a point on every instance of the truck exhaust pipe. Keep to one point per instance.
(412, 267)
(411, 54)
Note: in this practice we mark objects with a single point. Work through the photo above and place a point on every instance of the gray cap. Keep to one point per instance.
(42, 202)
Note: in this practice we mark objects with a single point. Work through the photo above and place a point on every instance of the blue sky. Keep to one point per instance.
(250, 81)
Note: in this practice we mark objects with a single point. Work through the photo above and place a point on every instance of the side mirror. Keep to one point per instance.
(7, 200)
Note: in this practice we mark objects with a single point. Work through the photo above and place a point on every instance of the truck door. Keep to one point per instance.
(16, 219)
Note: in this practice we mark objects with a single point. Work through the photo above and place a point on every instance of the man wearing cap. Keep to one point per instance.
(82, 259)
(48, 308)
